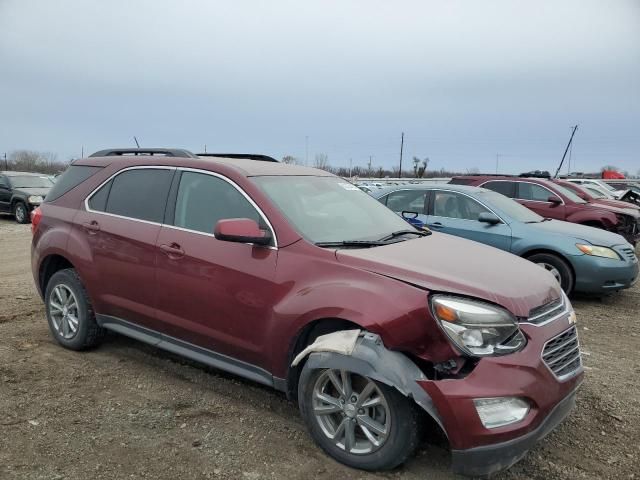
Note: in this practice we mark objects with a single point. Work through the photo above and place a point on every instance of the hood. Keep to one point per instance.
(592, 235)
(445, 263)
(618, 210)
(33, 191)
(617, 204)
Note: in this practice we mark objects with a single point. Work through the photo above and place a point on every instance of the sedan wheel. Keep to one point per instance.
(552, 270)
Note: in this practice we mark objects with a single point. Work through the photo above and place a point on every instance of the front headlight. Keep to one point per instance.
(477, 328)
(597, 251)
(35, 199)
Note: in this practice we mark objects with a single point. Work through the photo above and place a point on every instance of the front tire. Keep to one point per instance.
(559, 268)
(356, 420)
(70, 315)
(21, 213)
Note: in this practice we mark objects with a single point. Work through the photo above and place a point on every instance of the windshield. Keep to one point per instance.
(595, 193)
(509, 207)
(569, 194)
(30, 182)
(328, 209)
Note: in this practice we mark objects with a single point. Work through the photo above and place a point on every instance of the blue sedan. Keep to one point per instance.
(582, 258)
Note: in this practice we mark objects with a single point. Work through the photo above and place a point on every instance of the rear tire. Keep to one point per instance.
(21, 213)
(558, 267)
(395, 412)
(71, 318)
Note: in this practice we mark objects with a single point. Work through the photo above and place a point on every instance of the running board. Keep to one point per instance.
(188, 350)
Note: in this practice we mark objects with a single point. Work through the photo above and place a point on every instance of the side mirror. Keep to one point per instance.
(553, 199)
(241, 230)
(489, 218)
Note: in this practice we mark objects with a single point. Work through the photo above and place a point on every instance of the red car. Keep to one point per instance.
(551, 199)
(586, 195)
(293, 278)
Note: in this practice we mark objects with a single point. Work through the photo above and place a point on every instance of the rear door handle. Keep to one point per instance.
(91, 227)
(173, 251)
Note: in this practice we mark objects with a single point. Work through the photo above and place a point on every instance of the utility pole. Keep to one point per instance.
(401, 148)
(136, 140)
(82, 151)
(6, 163)
(205, 148)
(369, 171)
(566, 150)
(350, 164)
(306, 150)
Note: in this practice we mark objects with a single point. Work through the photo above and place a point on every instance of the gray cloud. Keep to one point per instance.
(463, 80)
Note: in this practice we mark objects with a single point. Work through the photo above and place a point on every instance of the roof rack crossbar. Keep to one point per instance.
(167, 152)
(248, 156)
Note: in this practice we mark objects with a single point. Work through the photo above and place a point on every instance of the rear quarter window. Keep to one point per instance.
(71, 178)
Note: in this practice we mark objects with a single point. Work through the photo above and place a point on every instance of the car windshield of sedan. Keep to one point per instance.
(509, 207)
(329, 209)
(29, 181)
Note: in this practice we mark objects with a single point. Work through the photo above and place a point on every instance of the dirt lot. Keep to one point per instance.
(127, 410)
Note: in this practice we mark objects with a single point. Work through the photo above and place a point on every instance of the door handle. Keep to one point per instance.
(91, 227)
(436, 225)
(173, 251)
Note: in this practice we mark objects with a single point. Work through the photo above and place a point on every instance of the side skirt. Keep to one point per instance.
(191, 351)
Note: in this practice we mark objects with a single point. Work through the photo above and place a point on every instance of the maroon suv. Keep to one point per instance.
(293, 278)
(551, 199)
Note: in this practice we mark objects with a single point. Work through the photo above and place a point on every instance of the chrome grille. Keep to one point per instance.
(562, 354)
(547, 312)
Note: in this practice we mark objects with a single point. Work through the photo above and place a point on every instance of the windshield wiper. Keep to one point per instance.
(351, 243)
(399, 233)
(547, 219)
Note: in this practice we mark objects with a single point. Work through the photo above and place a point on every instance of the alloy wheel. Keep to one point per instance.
(351, 411)
(552, 270)
(63, 309)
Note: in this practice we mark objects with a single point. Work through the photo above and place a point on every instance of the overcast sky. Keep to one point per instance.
(465, 80)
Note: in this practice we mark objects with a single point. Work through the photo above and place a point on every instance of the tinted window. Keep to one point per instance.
(98, 200)
(72, 177)
(407, 201)
(4, 182)
(204, 199)
(454, 205)
(140, 193)
(507, 189)
(531, 191)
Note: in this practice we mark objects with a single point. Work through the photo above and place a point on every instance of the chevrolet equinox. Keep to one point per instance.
(291, 277)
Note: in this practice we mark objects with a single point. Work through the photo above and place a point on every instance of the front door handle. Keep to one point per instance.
(436, 225)
(92, 227)
(173, 251)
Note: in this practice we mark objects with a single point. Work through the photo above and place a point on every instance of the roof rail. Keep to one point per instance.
(248, 156)
(167, 152)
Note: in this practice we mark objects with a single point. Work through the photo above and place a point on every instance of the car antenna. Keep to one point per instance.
(136, 140)
(566, 150)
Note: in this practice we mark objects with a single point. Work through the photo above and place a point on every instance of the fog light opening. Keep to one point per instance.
(498, 412)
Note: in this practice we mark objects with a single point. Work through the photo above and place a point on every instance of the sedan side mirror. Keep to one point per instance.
(489, 218)
(241, 230)
(553, 199)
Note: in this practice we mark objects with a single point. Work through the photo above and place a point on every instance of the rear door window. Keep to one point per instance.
(139, 193)
(507, 189)
(204, 199)
(71, 178)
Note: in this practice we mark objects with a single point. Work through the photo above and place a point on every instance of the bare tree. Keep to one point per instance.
(321, 161)
(420, 166)
(473, 171)
(290, 159)
(33, 161)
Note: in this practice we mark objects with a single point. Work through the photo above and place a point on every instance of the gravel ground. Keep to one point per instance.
(126, 410)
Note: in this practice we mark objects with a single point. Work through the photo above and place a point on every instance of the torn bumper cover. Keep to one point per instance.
(365, 354)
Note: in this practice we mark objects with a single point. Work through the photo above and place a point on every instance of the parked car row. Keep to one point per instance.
(294, 278)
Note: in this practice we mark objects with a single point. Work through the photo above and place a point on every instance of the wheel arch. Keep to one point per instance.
(304, 337)
(51, 264)
(548, 251)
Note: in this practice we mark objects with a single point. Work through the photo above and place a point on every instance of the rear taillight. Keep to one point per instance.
(36, 216)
